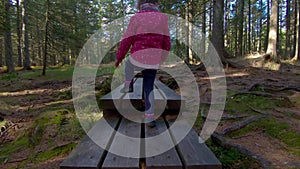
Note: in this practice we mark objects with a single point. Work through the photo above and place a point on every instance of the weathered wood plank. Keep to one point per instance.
(159, 102)
(106, 102)
(173, 99)
(195, 155)
(128, 146)
(169, 159)
(88, 154)
(134, 98)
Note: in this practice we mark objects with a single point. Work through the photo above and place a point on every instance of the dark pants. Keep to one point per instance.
(148, 83)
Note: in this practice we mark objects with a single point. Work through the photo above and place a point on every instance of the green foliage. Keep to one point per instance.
(3, 123)
(61, 150)
(276, 129)
(231, 159)
(106, 69)
(242, 102)
(6, 150)
(60, 117)
(64, 95)
(9, 76)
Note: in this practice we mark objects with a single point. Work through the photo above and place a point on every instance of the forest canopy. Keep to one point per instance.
(52, 32)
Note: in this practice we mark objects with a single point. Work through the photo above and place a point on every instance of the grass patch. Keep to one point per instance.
(241, 103)
(65, 95)
(4, 107)
(231, 159)
(106, 69)
(60, 117)
(276, 129)
(52, 73)
(3, 123)
(6, 150)
(9, 76)
(61, 150)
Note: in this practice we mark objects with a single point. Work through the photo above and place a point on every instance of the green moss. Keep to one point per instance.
(231, 158)
(4, 106)
(3, 123)
(106, 69)
(31, 96)
(37, 130)
(66, 95)
(43, 156)
(9, 76)
(241, 103)
(9, 148)
(276, 129)
(60, 117)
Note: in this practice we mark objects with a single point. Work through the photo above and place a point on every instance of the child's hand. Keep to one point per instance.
(117, 64)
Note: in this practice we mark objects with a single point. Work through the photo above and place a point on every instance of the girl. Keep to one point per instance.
(149, 38)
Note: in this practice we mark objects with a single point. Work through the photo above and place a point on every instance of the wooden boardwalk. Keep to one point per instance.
(188, 154)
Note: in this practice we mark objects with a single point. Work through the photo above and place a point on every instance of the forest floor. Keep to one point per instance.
(261, 117)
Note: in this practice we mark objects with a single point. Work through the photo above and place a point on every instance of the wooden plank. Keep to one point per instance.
(173, 99)
(137, 90)
(129, 146)
(107, 103)
(121, 100)
(134, 98)
(195, 155)
(168, 159)
(159, 102)
(88, 154)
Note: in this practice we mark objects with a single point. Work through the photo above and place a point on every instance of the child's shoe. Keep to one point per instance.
(151, 124)
(128, 88)
(150, 120)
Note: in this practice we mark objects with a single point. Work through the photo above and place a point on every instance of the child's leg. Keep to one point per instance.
(148, 81)
(129, 71)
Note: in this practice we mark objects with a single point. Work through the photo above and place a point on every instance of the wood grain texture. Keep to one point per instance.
(194, 153)
(166, 160)
(174, 100)
(87, 154)
(127, 146)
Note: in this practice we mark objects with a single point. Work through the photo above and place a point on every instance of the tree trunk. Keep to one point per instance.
(210, 19)
(273, 33)
(227, 25)
(1, 52)
(19, 33)
(236, 34)
(7, 38)
(217, 34)
(40, 45)
(260, 27)
(294, 29)
(46, 38)
(189, 31)
(249, 28)
(241, 27)
(268, 26)
(203, 39)
(288, 31)
(297, 49)
(26, 37)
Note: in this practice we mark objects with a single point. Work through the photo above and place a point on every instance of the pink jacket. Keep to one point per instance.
(149, 38)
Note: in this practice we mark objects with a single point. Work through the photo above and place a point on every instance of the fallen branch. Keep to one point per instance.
(247, 135)
(241, 125)
(233, 117)
(273, 88)
(218, 139)
(258, 111)
(17, 160)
